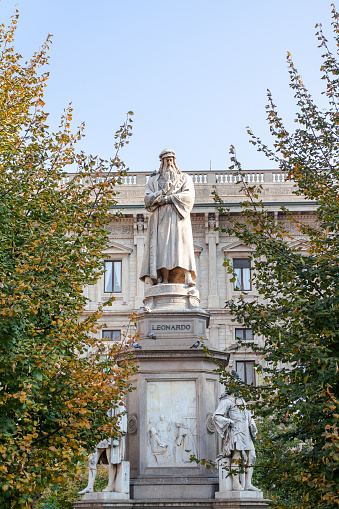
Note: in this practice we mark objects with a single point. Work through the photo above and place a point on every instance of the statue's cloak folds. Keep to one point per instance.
(169, 240)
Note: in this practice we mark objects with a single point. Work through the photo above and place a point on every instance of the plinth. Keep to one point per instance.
(175, 397)
(170, 411)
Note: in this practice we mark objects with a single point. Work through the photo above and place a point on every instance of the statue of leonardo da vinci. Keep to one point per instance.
(169, 251)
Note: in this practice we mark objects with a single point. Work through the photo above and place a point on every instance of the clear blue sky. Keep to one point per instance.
(195, 72)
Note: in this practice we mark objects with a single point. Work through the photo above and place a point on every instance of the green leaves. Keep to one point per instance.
(52, 234)
(296, 312)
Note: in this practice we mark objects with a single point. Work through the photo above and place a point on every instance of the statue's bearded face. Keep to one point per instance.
(169, 169)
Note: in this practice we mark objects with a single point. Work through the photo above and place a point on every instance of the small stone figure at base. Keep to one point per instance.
(235, 425)
(113, 451)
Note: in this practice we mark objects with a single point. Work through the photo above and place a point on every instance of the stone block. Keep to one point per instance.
(122, 480)
(106, 495)
(239, 495)
(171, 296)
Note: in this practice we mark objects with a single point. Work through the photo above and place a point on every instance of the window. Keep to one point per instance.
(113, 276)
(242, 270)
(244, 334)
(111, 335)
(245, 370)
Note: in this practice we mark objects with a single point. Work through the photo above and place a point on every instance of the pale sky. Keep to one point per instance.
(195, 72)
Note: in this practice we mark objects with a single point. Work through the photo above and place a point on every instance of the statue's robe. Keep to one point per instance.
(169, 240)
(239, 435)
(116, 445)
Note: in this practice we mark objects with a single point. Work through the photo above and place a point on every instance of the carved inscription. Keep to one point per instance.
(120, 231)
(173, 327)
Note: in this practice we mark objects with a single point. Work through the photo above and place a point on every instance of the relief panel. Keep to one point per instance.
(171, 423)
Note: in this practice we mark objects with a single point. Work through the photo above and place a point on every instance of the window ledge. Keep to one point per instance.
(118, 297)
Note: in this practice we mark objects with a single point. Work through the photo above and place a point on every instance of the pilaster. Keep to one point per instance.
(212, 239)
(139, 242)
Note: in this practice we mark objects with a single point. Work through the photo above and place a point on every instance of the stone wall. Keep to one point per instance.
(127, 235)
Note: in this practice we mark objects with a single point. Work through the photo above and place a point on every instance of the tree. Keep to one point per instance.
(296, 311)
(54, 395)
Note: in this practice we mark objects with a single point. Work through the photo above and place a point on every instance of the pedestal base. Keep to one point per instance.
(102, 500)
(167, 488)
(171, 297)
(176, 393)
(106, 495)
(230, 503)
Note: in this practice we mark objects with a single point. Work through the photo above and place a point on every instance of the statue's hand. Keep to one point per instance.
(158, 193)
(165, 199)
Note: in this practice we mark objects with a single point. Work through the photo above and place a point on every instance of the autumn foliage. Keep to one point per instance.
(53, 394)
(296, 311)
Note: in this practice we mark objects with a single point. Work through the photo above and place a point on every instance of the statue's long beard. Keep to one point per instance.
(169, 174)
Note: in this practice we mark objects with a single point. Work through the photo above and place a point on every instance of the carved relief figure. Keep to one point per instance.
(172, 423)
(162, 428)
(112, 451)
(169, 251)
(212, 222)
(184, 442)
(235, 425)
(140, 223)
(159, 449)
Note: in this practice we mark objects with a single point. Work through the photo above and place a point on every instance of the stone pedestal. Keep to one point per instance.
(169, 412)
(241, 500)
(235, 499)
(103, 500)
(176, 394)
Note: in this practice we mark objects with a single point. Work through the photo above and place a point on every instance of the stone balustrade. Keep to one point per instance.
(205, 177)
(231, 178)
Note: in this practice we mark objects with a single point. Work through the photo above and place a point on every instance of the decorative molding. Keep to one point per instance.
(132, 424)
(139, 224)
(116, 248)
(210, 423)
(301, 244)
(236, 245)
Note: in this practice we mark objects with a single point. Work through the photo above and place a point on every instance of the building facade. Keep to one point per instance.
(124, 255)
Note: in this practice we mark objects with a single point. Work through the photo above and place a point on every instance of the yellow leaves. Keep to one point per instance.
(22, 397)
(44, 261)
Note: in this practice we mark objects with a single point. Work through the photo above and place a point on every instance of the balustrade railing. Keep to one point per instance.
(202, 178)
(199, 178)
(229, 178)
(278, 177)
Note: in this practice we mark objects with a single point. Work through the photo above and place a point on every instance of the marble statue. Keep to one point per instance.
(113, 451)
(237, 429)
(169, 251)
